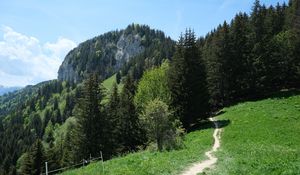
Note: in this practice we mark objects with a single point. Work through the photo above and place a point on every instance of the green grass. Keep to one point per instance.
(263, 137)
(153, 163)
(108, 85)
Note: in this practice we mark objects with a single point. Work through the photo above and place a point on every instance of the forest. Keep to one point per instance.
(158, 95)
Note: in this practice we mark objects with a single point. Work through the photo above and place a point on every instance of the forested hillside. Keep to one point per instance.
(252, 55)
(133, 49)
(31, 114)
(160, 89)
(39, 112)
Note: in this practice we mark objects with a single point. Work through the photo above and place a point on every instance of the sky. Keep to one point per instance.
(35, 35)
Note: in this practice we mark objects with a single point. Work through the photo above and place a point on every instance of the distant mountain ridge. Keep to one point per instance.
(109, 53)
(4, 90)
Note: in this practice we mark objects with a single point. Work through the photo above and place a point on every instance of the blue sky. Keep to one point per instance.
(36, 34)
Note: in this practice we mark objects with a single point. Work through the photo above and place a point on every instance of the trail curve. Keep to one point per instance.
(208, 163)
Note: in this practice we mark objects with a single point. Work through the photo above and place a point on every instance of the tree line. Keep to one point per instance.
(247, 58)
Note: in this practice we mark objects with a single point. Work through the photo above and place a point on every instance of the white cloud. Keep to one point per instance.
(59, 48)
(24, 60)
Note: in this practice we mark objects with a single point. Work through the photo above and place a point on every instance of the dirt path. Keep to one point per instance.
(200, 166)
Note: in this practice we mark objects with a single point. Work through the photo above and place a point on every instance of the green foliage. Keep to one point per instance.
(25, 164)
(108, 85)
(37, 155)
(252, 56)
(21, 124)
(48, 136)
(217, 51)
(33, 162)
(153, 163)
(284, 63)
(159, 124)
(130, 129)
(187, 81)
(153, 84)
(114, 117)
(69, 156)
(90, 118)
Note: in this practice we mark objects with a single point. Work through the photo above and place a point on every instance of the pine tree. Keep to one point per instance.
(177, 80)
(53, 158)
(113, 121)
(188, 81)
(217, 53)
(68, 146)
(37, 155)
(241, 75)
(36, 124)
(26, 166)
(131, 133)
(90, 119)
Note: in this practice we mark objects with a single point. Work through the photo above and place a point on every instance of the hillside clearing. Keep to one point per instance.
(153, 163)
(263, 137)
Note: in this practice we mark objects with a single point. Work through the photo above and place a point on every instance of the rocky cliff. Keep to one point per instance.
(108, 53)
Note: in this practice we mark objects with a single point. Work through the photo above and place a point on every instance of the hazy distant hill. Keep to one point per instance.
(4, 90)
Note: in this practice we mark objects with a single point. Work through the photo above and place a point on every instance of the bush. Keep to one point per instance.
(161, 126)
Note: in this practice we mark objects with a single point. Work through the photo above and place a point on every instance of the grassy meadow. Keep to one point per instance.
(153, 163)
(263, 137)
(260, 137)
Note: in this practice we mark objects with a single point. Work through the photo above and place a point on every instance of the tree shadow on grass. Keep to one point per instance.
(284, 93)
(207, 124)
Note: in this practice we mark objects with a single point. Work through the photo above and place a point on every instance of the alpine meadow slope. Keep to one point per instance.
(261, 137)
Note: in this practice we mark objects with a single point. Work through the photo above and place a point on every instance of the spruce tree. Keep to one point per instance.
(37, 155)
(130, 131)
(90, 119)
(241, 73)
(113, 123)
(217, 52)
(188, 81)
(68, 146)
(26, 166)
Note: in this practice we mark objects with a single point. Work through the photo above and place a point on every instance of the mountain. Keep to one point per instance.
(108, 53)
(4, 90)
(11, 101)
(249, 58)
(42, 111)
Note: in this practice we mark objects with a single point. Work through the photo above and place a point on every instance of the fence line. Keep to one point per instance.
(75, 165)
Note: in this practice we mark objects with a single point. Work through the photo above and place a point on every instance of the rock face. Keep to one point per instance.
(104, 54)
(128, 46)
(132, 50)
